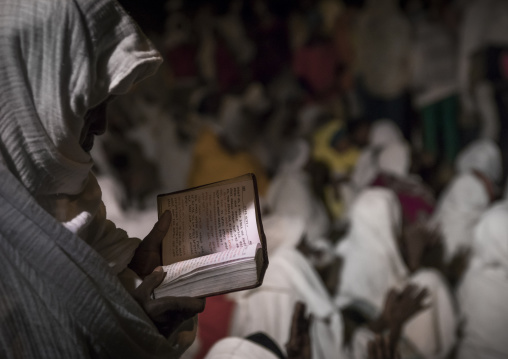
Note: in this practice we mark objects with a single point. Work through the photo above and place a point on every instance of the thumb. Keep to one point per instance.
(151, 281)
(154, 239)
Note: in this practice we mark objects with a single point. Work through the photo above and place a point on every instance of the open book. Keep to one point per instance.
(215, 243)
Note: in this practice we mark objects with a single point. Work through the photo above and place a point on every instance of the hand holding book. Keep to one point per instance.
(166, 313)
(216, 242)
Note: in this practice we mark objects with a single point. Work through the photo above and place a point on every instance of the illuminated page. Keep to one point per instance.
(210, 219)
(181, 270)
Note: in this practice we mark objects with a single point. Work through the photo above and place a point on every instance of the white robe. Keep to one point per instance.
(373, 266)
(466, 198)
(290, 278)
(483, 293)
(59, 60)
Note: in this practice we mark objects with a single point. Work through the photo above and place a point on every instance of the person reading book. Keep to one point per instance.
(60, 259)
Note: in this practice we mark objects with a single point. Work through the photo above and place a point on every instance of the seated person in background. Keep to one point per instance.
(468, 196)
(60, 292)
(377, 257)
(483, 292)
(298, 346)
(309, 273)
(221, 149)
(291, 191)
(416, 199)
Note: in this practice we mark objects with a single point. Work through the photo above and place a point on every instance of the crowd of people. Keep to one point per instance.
(376, 130)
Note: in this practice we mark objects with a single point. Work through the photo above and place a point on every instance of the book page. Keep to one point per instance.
(209, 220)
(180, 269)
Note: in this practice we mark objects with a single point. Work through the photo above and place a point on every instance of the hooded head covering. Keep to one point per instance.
(384, 132)
(395, 159)
(59, 297)
(59, 60)
(483, 156)
(385, 137)
(372, 262)
(490, 244)
(483, 292)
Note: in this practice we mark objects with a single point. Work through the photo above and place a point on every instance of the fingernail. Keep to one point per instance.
(158, 269)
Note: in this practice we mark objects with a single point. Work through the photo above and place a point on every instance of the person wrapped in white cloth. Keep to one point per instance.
(308, 272)
(483, 293)
(468, 196)
(60, 295)
(374, 264)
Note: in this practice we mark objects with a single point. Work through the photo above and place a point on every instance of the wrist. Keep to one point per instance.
(378, 325)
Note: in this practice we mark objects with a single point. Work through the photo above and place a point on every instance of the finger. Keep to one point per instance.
(392, 296)
(154, 239)
(409, 291)
(422, 296)
(379, 347)
(151, 281)
(169, 306)
(298, 311)
(372, 349)
(386, 347)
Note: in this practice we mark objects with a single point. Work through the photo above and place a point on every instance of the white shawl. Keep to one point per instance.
(290, 192)
(290, 278)
(59, 60)
(385, 137)
(483, 156)
(483, 293)
(466, 198)
(373, 265)
(58, 297)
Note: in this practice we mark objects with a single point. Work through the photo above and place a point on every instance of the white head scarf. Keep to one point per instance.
(483, 293)
(481, 155)
(60, 59)
(282, 231)
(383, 134)
(372, 262)
(59, 297)
(490, 245)
(395, 159)
(238, 348)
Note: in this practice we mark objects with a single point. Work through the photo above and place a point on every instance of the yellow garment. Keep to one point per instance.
(338, 162)
(211, 162)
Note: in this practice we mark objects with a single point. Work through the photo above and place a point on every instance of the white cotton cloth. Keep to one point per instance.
(373, 265)
(484, 156)
(458, 211)
(59, 60)
(269, 309)
(383, 134)
(58, 296)
(395, 159)
(282, 231)
(238, 348)
(290, 192)
(466, 198)
(483, 292)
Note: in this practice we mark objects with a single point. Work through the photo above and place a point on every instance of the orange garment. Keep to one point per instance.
(211, 162)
